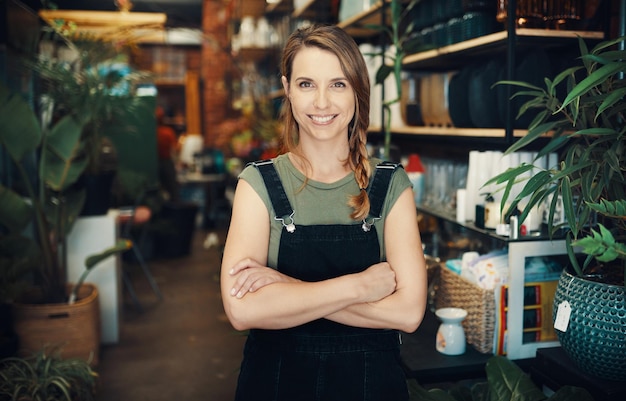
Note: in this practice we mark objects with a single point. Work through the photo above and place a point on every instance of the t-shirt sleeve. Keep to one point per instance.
(252, 176)
(399, 182)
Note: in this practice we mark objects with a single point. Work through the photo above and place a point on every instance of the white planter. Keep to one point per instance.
(93, 234)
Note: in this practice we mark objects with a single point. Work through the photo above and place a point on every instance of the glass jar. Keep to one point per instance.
(528, 13)
(564, 14)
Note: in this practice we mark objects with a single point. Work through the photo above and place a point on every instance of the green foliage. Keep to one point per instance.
(120, 246)
(398, 33)
(45, 197)
(19, 257)
(505, 382)
(587, 128)
(46, 377)
(601, 245)
(89, 88)
(78, 98)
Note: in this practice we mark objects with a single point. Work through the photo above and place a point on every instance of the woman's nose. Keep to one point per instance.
(321, 99)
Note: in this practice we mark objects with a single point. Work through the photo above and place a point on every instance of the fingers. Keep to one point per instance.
(244, 282)
(242, 265)
(252, 276)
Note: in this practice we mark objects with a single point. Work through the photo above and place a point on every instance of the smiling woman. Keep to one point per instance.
(335, 267)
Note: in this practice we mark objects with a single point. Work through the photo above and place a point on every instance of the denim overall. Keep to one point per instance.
(323, 360)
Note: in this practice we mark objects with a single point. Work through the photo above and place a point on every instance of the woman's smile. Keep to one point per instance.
(323, 120)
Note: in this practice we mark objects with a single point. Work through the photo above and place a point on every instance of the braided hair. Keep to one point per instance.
(335, 40)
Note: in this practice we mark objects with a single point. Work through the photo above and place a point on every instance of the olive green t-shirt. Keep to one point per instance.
(318, 203)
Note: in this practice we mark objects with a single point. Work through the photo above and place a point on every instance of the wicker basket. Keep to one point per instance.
(73, 329)
(455, 291)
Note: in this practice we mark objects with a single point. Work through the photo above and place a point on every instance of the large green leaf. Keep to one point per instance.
(508, 382)
(20, 132)
(419, 393)
(571, 393)
(63, 209)
(15, 212)
(62, 165)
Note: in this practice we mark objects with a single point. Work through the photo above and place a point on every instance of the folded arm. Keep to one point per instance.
(404, 309)
(287, 302)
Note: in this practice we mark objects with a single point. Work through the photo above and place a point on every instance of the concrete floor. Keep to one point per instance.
(180, 348)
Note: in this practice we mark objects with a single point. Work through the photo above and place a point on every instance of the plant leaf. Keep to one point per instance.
(531, 136)
(611, 100)
(508, 382)
(15, 212)
(601, 245)
(120, 246)
(62, 164)
(20, 132)
(594, 79)
(571, 393)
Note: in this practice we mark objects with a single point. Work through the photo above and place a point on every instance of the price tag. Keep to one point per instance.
(562, 316)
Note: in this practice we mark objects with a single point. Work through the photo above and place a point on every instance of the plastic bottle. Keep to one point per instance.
(415, 170)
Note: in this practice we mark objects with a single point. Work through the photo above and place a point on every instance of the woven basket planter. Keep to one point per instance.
(596, 334)
(479, 325)
(73, 329)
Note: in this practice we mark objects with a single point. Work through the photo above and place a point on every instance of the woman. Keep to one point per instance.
(322, 272)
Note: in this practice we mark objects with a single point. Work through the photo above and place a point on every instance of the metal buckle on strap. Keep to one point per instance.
(367, 226)
(262, 163)
(291, 226)
(390, 166)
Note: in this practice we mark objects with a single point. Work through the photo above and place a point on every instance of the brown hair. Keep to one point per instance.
(335, 40)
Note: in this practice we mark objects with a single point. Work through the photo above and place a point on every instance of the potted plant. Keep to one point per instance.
(43, 198)
(583, 109)
(46, 376)
(504, 381)
(93, 83)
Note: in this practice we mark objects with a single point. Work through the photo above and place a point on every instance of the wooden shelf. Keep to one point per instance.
(451, 131)
(169, 82)
(279, 6)
(255, 54)
(356, 25)
(460, 54)
(309, 8)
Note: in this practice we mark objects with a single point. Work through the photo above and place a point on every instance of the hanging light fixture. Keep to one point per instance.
(123, 5)
(100, 23)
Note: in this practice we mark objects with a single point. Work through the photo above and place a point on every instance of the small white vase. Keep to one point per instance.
(450, 335)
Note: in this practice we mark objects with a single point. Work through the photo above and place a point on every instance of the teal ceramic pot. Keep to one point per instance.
(596, 334)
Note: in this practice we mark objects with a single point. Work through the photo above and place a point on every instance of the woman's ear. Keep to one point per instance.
(285, 83)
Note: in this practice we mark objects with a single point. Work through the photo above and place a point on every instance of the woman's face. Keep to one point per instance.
(322, 100)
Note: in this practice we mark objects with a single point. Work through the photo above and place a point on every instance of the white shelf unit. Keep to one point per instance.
(518, 252)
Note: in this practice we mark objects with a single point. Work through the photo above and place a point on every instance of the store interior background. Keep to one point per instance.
(226, 91)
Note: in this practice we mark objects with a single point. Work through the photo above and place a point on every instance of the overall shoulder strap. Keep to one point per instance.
(377, 191)
(276, 192)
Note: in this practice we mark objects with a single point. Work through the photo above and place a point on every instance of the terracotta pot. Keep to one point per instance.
(74, 329)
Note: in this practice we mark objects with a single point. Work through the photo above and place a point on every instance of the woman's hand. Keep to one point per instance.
(251, 276)
(377, 282)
